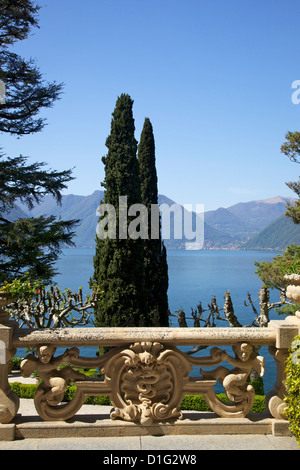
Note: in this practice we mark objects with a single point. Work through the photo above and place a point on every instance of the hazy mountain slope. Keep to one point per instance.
(74, 207)
(85, 207)
(276, 236)
(15, 213)
(225, 221)
(258, 214)
(223, 228)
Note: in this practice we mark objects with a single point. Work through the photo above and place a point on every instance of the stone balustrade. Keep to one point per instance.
(145, 373)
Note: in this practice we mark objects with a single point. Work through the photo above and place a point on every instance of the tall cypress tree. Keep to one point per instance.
(118, 263)
(155, 256)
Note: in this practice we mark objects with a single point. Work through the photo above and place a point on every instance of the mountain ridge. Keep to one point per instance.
(276, 236)
(224, 228)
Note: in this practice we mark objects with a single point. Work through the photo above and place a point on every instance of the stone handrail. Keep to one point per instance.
(119, 336)
(145, 373)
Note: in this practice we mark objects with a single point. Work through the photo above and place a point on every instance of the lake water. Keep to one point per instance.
(193, 276)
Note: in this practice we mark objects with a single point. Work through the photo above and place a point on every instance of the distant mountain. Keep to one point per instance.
(74, 207)
(212, 236)
(225, 221)
(276, 236)
(258, 214)
(14, 214)
(224, 228)
(245, 219)
(85, 207)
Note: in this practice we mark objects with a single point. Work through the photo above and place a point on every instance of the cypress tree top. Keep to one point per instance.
(121, 166)
(146, 157)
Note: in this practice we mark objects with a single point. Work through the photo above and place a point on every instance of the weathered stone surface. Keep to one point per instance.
(7, 432)
(119, 336)
(285, 332)
(146, 381)
(193, 424)
(146, 375)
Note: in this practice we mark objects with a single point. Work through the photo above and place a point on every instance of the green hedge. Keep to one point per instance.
(197, 403)
(189, 402)
(15, 362)
(293, 388)
(90, 400)
(23, 390)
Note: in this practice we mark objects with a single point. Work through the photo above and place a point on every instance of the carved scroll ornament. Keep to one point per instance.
(147, 382)
(234, 381)
(51, 390)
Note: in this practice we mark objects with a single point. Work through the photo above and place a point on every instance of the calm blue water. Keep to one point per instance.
(193, 276)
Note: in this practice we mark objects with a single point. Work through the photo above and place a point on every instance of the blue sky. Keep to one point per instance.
(215, 79)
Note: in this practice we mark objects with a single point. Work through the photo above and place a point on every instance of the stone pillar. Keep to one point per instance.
(286, 330)
(9, 401)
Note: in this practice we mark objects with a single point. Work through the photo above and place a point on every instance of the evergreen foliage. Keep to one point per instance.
(293, 388)
(27, 244)
(26, 91)
(271, 273)
(155, 255)
(291, 148)
(118, 263)
(17, 18)
(32, 246)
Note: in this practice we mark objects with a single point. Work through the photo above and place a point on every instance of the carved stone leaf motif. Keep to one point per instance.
(143, 379)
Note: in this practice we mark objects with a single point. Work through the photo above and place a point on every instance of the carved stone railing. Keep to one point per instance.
(145, 374)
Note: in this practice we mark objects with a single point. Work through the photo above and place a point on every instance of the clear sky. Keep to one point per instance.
(214, 77)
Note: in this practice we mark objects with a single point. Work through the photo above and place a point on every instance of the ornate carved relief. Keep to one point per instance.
(50, 392)
(275, 398)
(147, 382)
(9, 401)
(234, 381)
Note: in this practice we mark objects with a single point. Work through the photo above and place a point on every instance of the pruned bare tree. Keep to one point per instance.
(202, 320)
(54, 309)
